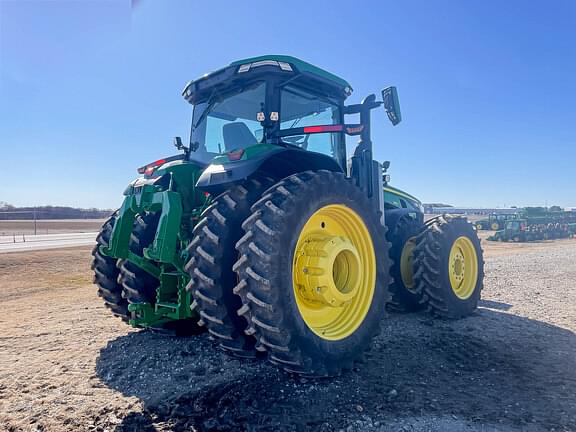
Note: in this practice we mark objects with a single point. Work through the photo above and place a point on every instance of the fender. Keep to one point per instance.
(278, 162)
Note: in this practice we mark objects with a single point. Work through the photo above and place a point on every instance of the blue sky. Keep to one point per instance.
(90, 90)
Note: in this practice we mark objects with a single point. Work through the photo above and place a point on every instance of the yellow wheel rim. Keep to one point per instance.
(334, 272)
(463, 267)
(478, 227)
(406, 263)
(495, 226)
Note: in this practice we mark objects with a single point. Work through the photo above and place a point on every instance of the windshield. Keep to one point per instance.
(226, 123)
(513, 225)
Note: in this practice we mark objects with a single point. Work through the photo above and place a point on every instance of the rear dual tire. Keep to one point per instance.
(121, 282)
(106, 273)
(325, 214)
(211, 257)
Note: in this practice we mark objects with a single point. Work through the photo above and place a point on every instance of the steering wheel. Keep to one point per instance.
(295, 140)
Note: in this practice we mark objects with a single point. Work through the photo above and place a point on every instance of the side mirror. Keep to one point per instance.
(392, 105)
(178, 143)
(385, 165)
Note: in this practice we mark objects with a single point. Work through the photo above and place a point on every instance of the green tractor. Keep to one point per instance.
(267, 234)
(526, 230)
(495, 221)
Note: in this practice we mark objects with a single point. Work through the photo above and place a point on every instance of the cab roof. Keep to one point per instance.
(301, 65)
(322, 81)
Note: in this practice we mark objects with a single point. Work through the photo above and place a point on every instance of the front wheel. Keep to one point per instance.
(313, 271)
(449, 267)
(405, 293)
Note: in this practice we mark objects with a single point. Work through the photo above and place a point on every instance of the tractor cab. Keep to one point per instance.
(246, 107)
(515, 225)
(277, 115)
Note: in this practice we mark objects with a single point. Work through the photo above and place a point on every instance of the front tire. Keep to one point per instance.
(405, 293)
(449, 267)
(313, 270)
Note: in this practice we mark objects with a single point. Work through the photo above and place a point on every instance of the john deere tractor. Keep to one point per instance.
(495, 221)
(267, 234)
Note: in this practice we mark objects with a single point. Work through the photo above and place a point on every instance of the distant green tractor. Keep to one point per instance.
(495, 221)
(525, 230)
(265, 232)
(537, 223)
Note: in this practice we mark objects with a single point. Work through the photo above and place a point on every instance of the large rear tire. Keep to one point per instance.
(211, 257)
(313, 273)
(106, 273)
(449, 268)
(406, 295)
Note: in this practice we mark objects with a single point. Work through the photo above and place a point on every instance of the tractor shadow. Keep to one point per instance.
(489, 368)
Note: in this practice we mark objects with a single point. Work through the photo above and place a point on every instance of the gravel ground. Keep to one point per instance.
(67, 365)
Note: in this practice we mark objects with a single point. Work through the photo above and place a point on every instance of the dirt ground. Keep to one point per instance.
(66, 364)
(10, 227)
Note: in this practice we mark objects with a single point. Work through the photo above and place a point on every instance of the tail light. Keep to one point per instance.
(235, 155)
(149, 169)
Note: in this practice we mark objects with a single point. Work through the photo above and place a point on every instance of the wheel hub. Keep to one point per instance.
(334, 272)
(327, 270)
(459, 267)
(407, 264)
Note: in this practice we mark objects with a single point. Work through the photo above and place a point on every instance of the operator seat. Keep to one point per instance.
(237, 136)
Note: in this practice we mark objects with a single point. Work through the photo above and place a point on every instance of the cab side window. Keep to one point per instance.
(392, 201)
(299, 108)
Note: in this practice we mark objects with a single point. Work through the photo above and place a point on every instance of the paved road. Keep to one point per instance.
(45, 241)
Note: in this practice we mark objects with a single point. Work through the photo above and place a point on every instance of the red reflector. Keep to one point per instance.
(149, 169)
(326, 128)
(206, 194)
(354, 129)
(235, 155)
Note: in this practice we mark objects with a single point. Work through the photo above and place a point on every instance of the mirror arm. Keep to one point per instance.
(178, 144)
